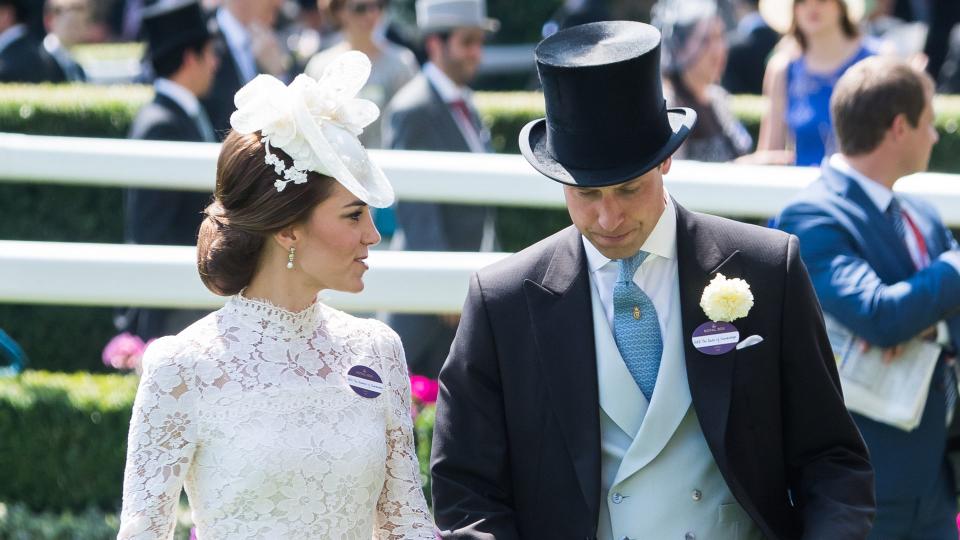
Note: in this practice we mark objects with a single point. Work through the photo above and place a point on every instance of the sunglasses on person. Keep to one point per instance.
(362, 8)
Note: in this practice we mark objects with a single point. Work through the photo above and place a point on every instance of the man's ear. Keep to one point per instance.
(899, 126)
(665, 166)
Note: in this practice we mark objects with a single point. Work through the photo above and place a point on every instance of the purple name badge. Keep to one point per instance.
(365, 381)
(715, 338)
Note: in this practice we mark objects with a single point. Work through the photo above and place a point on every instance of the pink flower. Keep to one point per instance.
(424, 389)
(123, 351)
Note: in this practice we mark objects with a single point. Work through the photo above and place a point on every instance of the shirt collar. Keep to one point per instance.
(233, 30)
(448, 90)
(662, 241)
(877, 192)
(180, 95)
(12, 34)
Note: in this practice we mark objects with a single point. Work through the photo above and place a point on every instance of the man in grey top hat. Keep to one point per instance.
(434, 111)
(650, 372)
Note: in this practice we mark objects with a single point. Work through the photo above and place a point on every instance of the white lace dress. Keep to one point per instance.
(250, 411)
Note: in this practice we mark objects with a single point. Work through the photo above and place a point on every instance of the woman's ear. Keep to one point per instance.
(287, 237)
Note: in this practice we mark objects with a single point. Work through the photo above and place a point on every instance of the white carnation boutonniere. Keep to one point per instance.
(724, 300)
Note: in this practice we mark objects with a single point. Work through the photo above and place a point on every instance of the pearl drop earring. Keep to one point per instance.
(290, 257)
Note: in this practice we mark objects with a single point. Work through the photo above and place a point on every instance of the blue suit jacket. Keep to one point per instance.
(865, 278)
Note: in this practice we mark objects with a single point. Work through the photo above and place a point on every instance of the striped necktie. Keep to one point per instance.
(896, 217)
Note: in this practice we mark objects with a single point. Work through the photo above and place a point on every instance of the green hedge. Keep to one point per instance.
(62, 449)
(17, 522)
(71, 339)
(63, 439)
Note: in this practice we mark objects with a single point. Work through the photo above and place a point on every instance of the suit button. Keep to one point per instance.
(617, 498)
(690, 536)
(697, 495)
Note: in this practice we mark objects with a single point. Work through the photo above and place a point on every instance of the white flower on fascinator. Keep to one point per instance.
(317, 122)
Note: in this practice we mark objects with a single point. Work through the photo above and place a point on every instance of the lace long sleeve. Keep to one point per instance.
(401, 509)
(160, 445)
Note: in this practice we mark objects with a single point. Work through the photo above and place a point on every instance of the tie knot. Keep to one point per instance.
(629, 265)
(895, 206)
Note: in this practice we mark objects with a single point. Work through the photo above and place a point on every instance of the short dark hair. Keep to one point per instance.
(247, 209)
(870, 95)
(168, 63)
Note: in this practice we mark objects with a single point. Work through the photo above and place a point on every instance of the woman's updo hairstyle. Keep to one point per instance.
(247, 209)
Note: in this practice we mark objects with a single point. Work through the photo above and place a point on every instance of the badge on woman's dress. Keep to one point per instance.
(365, 381)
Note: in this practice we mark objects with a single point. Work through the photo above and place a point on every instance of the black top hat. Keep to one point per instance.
(607, 121)
(169, 24)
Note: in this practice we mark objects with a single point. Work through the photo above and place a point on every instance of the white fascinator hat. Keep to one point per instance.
(317, 122)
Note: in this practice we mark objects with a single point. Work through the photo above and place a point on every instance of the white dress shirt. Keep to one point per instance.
(180, 95)
(657, 276)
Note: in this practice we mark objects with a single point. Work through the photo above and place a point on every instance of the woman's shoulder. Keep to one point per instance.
(181, 351)
(357, 326)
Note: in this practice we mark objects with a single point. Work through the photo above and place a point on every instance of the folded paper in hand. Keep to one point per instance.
(893, 393)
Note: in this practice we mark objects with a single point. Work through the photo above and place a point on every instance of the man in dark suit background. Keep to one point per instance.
(181, 51)
(434, 111)
(885, 267)
(247, 46)
(67, 23)
(751, 43)
(597, 388)
(20, 57)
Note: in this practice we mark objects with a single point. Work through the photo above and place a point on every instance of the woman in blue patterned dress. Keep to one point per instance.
(822, 42)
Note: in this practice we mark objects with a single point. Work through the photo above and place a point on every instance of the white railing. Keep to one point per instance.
(166, 276)
(158, 276)
(724, 189)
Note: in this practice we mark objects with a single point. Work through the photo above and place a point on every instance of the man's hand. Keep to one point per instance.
(451, 320)
(892, 353)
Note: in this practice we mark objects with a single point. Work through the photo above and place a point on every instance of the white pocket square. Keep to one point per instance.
(749, 342)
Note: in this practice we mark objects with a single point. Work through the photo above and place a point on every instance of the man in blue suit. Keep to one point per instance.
(884, 265)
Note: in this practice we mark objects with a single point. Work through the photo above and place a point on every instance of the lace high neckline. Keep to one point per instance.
(273, 320)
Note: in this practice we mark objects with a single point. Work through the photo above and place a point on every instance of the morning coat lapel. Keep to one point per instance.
(188, 128)
(699, 258)
(561, 317)
(443, 117)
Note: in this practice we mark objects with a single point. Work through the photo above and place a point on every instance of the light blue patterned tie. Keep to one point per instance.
(636, 327)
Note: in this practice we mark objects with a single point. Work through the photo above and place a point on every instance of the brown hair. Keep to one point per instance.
(870, 95)
(247, 209)
(846, 25)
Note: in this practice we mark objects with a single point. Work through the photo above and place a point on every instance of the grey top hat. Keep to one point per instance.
(445, 15)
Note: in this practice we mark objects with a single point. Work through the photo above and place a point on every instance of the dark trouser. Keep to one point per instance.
(933, 516)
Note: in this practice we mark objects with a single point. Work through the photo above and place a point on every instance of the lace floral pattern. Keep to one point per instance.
(249, 410)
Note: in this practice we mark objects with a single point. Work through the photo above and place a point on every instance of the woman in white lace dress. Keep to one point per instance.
(280, 416)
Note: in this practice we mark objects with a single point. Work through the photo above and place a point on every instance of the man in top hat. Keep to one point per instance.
(649, 372)
(434, 111)
(180, 49)
(20, 58)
